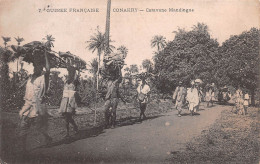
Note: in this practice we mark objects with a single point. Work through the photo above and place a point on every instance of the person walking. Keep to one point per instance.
(246, 102)
(112, 99)
(239, 101)
(143, 96)
(68, 103)
(193, 98)
(34, 111)
(179, 97)
(210, 96)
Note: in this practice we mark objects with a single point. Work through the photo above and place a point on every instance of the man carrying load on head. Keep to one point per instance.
(34, 111)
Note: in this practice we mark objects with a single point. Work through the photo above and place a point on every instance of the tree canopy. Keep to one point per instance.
(239, 60)
(192, 54)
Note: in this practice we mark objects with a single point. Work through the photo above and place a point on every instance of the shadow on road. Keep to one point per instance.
(189, 114)
(133, 120)
(95, 131)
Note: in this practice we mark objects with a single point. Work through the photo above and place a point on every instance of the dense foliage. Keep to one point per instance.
(192, 54)
(195, 54)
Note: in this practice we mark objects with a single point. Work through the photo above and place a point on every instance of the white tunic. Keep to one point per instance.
(193, 97)
(145, 90)
(33, 96)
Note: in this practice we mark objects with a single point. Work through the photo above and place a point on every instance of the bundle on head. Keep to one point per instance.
(34, 52)
(113, 63)
(72, 60)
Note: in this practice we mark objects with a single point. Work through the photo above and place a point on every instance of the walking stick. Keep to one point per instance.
(95, 117)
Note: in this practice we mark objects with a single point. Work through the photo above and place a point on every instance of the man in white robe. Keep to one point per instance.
(193, 98)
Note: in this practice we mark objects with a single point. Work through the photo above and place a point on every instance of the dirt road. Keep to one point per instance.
(151, 141)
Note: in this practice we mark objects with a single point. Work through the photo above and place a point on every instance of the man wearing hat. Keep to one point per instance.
(179, 97)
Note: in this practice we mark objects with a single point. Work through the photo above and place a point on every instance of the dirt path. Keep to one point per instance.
(150, 141)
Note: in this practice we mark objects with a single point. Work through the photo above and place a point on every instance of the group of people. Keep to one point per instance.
(34, 111)
(192, 97)
(182, 96)
(113, 95)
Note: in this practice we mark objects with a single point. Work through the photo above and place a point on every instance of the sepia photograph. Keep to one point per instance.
(129, 81)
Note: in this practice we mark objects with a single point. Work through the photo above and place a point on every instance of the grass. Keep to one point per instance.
(232, 139)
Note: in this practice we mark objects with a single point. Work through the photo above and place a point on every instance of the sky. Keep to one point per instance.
(131, 29)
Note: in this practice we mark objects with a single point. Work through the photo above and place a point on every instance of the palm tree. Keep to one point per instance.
(159, 42)
(94, 69)
(147, 64)
(133, 69)
(123, 50)
(6, 40)
(97, 43)
(126, 69)
(19, 40)
(49, 41)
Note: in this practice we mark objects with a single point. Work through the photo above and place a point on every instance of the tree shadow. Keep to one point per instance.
(133, 120)
(95, 131)
(82, 134)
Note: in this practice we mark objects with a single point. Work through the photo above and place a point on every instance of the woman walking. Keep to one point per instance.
(239, 102)
(68, 102)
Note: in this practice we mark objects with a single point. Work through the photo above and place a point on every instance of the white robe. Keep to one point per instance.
(193, 98)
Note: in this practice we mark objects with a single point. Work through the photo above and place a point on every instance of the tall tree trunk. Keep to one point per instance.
(107, 26)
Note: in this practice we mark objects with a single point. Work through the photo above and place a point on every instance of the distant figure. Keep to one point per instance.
(34, 111)
(68, 103)
(210, 94)
(200, 95)
(143, 96)
(239, 101)
(179, 97)
(193, 98)
(246, 102)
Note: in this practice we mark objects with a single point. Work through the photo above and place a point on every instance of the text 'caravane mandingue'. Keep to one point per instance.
(156, 10)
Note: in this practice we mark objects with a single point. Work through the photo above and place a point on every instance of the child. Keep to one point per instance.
(68, 103)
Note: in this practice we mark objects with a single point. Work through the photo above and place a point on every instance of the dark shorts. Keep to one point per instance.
(143, 106)
(111, 103)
